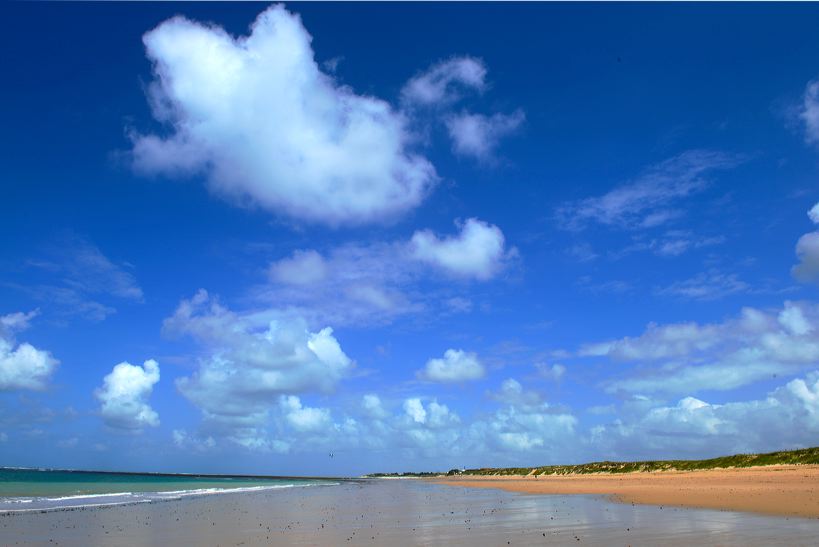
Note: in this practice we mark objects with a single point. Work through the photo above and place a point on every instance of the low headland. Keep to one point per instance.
(784, 483)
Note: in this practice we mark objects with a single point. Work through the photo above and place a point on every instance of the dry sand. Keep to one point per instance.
(400, 513)
(787, 490)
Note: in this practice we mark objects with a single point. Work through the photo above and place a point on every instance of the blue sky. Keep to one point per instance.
(239, 238)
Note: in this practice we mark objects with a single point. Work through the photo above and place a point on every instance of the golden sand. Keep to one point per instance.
(787, 490)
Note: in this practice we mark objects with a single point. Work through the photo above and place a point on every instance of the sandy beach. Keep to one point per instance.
(776, 490)
(399, 512)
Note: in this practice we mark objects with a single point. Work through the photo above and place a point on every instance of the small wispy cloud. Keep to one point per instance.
(75, 278)
(443, 82)
(710, 285)
(376, 283)
(654, 198)
(613, 286)
(669, 244)
(582, 252)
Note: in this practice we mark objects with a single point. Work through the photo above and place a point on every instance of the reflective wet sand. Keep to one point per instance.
(400, 512)
(785, 490)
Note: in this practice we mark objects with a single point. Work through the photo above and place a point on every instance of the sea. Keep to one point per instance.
(49, 489)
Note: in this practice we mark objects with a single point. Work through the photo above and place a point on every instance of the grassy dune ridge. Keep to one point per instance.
(805, 456)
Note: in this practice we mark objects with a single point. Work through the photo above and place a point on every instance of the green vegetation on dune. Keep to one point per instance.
(804, 456)
(790, 457)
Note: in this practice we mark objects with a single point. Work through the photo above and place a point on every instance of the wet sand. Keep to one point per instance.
(399, 512)
(776, 490)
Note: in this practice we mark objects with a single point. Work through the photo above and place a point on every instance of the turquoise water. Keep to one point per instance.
(35, 489)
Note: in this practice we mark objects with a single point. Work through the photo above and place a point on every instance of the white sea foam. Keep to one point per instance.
(77, 501)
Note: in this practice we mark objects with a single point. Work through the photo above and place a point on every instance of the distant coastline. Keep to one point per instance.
(167, 474)
(803, 456)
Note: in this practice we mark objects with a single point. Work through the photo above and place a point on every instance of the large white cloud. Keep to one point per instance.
(442, 82)
(690, 357)
(455, 366)
(259, 119)
(249, 360)
(478, 251)
(124, 396)
(22, 366)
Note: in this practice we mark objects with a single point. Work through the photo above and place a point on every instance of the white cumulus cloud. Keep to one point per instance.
(522, 424)
(455, 366)
(303, 268)
(373, 406)
(414, 408)
(183, 439)
(554, 372)
(690, 357)
(711, 429)
(807, 252)
(477, 135)
(813, 214)
(258, 118)
(433, 415)
(22, 366)
(478, 251)
(124, 396)
(249, 360)
(303, 418)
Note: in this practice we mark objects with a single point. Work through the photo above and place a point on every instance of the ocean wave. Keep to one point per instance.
(78, 501)
(80, 496)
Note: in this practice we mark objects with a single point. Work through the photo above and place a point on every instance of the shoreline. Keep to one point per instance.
(779, 490)
(42, 504)
(399, 513)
